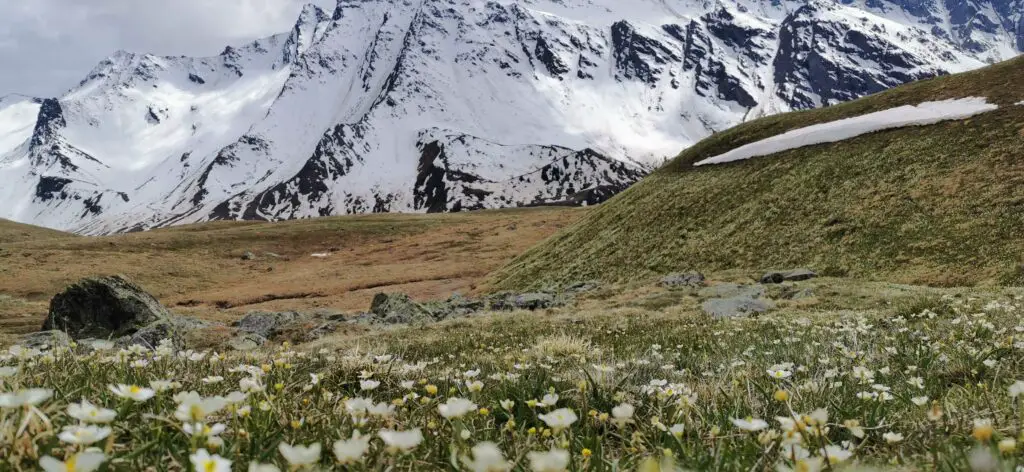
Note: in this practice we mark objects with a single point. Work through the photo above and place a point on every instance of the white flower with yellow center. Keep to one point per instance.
(86, 412)
(559, 419)
(84, 435)
(83, 462)
(202, 461)
(132, 392)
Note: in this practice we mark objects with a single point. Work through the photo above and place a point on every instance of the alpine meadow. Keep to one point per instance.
(451, 235)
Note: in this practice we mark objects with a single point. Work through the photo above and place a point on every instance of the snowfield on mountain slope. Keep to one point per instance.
(926, 113)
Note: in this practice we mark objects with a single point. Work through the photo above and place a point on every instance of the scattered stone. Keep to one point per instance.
(729, 290)
(803, 294)
(103, 307)
(795, 275)
(581, 287)
(45, 340)
(266, 323)
(320, 331)
(244, 341)
(683, 279)
(393, 308)
(248, 256)
(525, 301)
(736, 306)
(152, 334)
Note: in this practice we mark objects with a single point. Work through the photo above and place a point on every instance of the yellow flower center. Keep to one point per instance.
(209, 466)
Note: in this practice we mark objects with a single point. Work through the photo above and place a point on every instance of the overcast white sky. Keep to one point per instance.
(48, 46)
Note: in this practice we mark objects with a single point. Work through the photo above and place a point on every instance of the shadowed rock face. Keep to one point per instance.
(103, 307)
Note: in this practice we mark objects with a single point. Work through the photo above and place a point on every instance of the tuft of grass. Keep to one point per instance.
(941, 205)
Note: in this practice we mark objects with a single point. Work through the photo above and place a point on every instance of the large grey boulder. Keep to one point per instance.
(683, 279)
(103, 307)
(266, 323)
(736, 306)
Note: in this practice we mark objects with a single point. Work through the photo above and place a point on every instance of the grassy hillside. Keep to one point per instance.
(11, 232)
(200, 269)
(940, 204)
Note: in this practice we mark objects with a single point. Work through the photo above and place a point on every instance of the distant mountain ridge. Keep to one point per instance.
(431, 105)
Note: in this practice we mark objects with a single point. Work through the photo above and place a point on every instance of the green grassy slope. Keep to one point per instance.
(940, 204)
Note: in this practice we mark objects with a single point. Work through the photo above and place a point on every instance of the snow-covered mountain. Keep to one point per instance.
(447, 105)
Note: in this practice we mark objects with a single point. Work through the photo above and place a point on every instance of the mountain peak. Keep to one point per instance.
(305, 32)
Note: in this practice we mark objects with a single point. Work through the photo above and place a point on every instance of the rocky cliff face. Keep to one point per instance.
(431, 105)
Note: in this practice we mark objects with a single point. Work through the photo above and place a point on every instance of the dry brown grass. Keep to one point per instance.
(11, 232)
(199, 270)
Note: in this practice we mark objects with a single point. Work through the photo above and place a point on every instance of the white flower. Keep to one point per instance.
(549, 400)
(300, 455)
(469, 374)
(88, 413)
(475, 386)
(750, 424)
(235, 398)
(555, 460)
(352, 450)
(892, 438)
(160, 386)
(202, 461)
(623, 413)
(990, 363)
(250, 385)
(25, 398)
(403, 441)
(314, 379)
(919, 401)
(212, 379)
(83, 462)
(559, 419)
(836, 454)
(84, 435)
(132, 392)
(456, 407)
(507, 404)
(1017, 388)
(916, 382)
(487, 457)
(407, 384)
(368, 384)
(381, 409)
(779, 374)
(677, 430)
(201, 429)
(196, 409)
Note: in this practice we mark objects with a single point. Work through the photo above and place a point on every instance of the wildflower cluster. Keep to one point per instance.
(935, 388)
